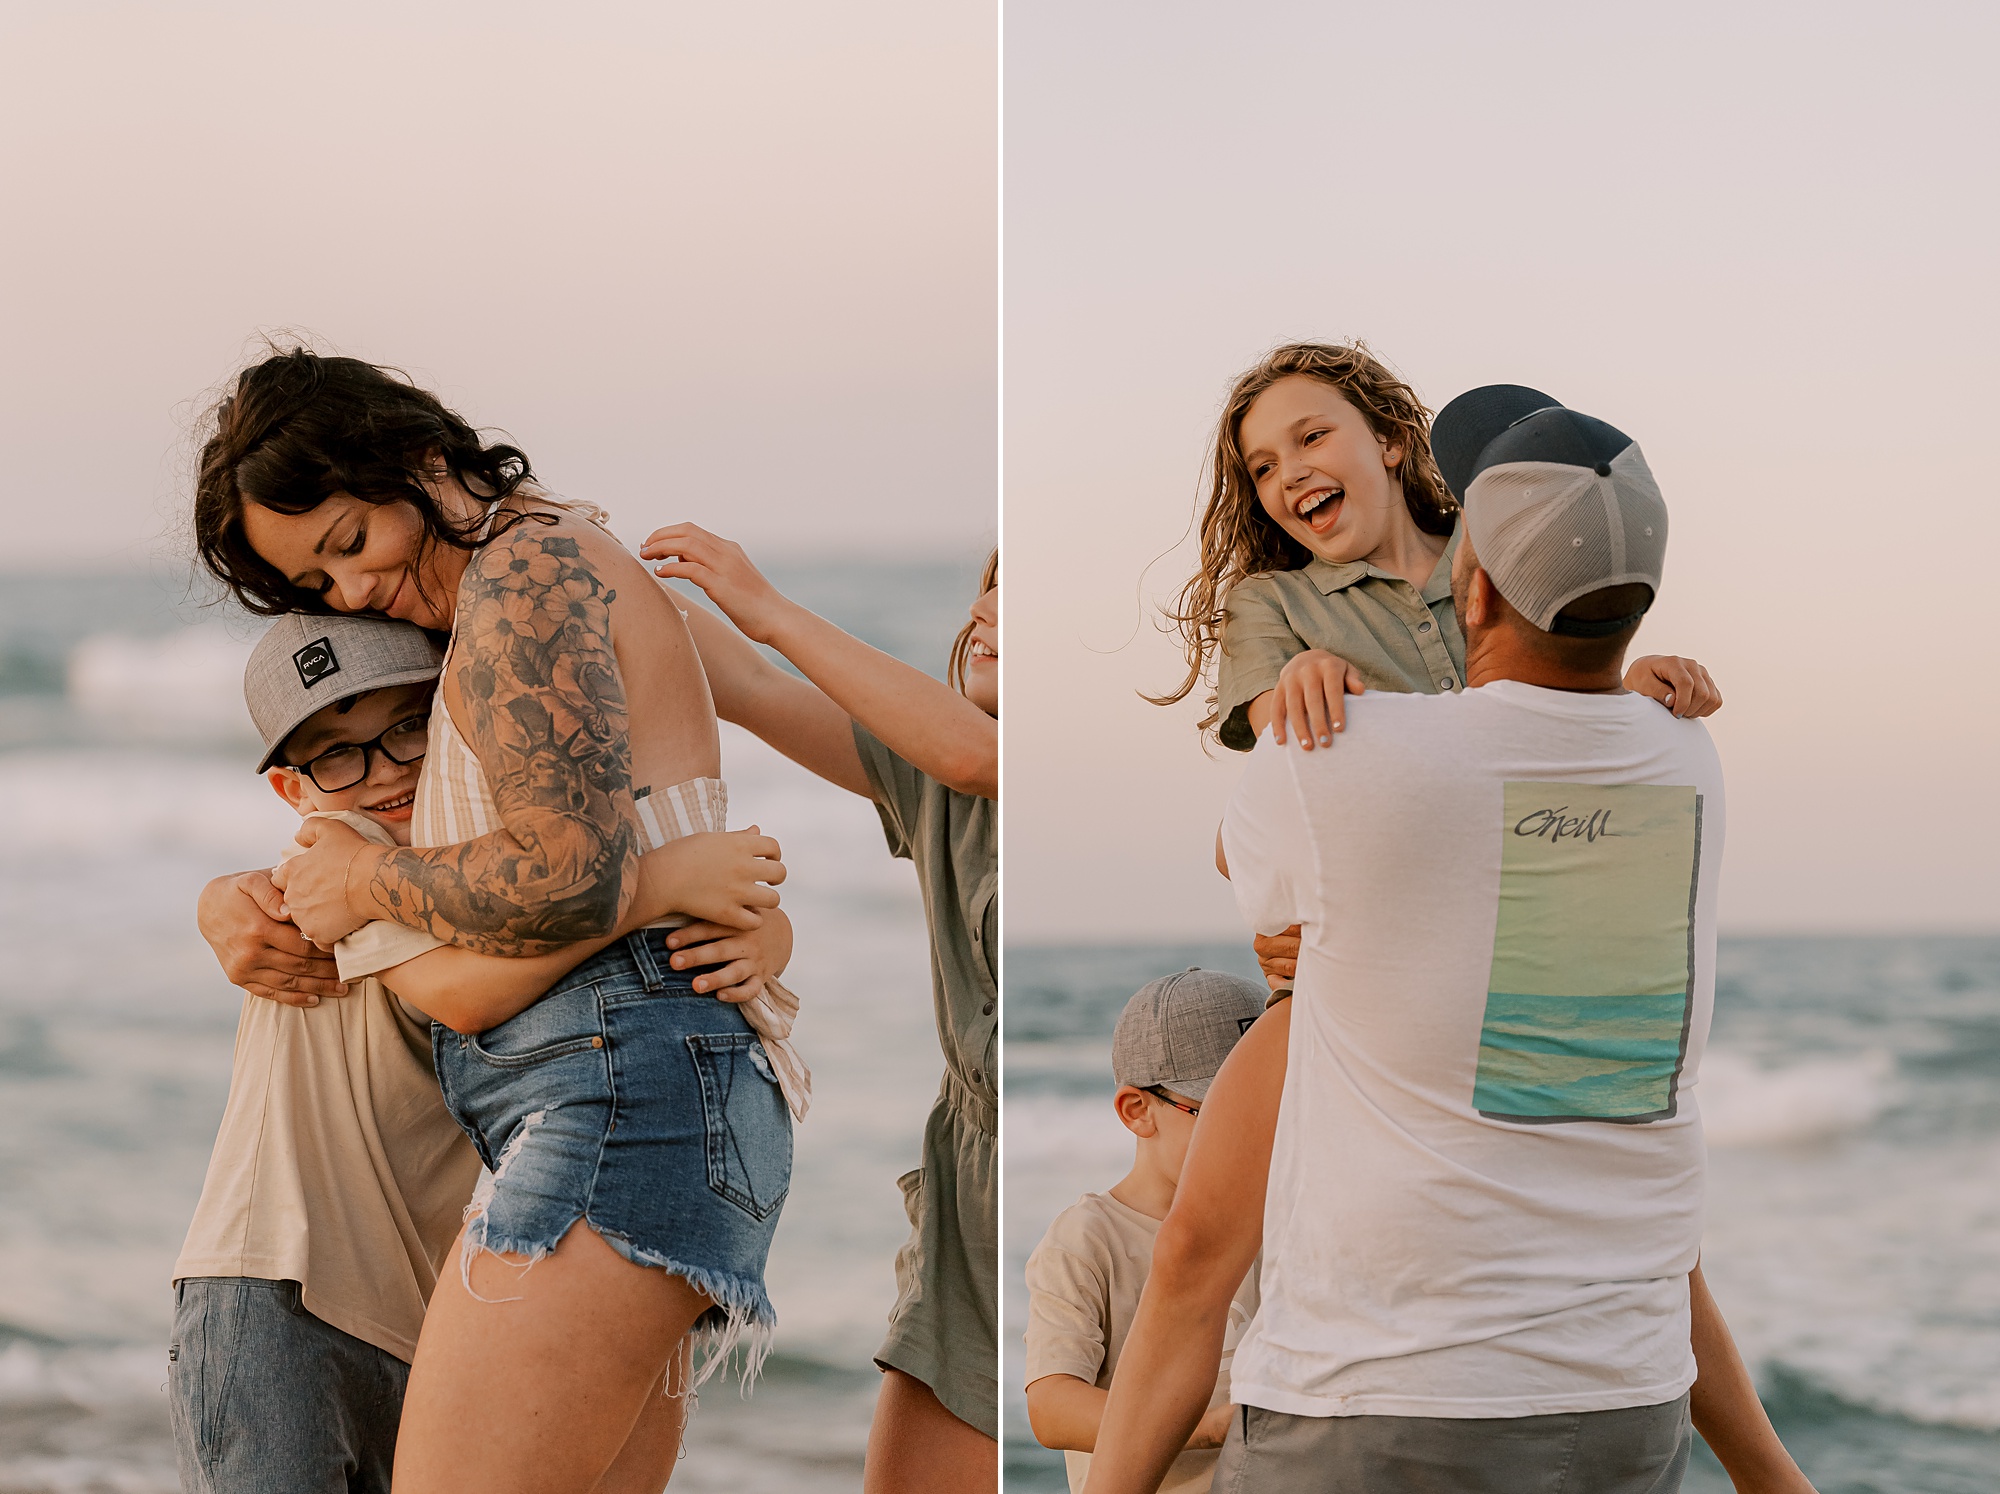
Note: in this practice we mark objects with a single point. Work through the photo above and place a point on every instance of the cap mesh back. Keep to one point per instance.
(1548, 533)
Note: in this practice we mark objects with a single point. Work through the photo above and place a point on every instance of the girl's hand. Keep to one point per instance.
(721, 877)
(1681, 685)
(720, 568)
(1311, 696)
(748, 960)
(314, 882)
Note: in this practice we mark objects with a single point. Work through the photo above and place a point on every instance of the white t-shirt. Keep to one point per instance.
(1486, 1184)
(1084, 1282)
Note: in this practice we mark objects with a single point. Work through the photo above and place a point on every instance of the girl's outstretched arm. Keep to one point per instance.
(793, 715)
(922, 720)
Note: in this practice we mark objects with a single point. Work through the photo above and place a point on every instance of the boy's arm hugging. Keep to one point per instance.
(544, 711)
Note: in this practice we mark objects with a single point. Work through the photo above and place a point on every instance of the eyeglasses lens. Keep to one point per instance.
(339, 769)
(407, 741)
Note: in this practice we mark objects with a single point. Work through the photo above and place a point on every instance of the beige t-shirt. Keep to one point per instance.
(1084, 1281)
(337, 1165)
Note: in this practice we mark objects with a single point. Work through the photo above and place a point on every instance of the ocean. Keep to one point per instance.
(1851, 1097)
(125, 784)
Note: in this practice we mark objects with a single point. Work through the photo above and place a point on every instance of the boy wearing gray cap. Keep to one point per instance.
(1085, 1277)
(338, 1177)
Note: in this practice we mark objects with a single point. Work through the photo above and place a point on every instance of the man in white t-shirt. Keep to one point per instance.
(1484, 1195)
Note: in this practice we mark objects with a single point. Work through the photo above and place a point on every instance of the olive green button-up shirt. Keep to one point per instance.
(1396, 637)
(954, 840)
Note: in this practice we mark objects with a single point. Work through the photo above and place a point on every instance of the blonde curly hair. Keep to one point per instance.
(1238, 539)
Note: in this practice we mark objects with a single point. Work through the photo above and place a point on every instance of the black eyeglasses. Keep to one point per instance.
(1159, 1093)
(344, 766)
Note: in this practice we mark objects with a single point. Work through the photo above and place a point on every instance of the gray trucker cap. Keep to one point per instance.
(306, 662)
(1558, 504)
(1177, 1030)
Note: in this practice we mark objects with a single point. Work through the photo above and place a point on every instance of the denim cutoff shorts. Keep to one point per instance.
(629, 1100)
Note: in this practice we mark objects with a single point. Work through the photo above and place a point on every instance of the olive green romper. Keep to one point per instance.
(943, 1329)
(1397, 638)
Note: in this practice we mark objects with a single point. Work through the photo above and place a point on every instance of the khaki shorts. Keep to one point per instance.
(1642, 1450)
(943, 1329)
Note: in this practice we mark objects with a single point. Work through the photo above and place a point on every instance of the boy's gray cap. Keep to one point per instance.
(306, 662)
(1177, 1030)
(1557, 505)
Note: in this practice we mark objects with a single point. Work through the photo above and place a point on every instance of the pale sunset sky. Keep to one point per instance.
(722, 263)
(1758, 238)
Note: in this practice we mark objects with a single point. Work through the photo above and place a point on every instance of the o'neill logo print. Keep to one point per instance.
(315, 662)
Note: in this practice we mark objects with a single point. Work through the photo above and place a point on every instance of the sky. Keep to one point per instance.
(1757, 237)
(722, 263)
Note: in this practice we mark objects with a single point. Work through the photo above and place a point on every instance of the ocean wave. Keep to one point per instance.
(1746, 1104)
(37, 1371)
(187, 684)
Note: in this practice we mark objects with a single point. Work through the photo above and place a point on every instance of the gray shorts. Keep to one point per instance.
(1642, 1450)
(268, 1399)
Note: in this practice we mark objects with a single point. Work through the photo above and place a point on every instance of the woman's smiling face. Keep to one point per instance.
(1320, 471)
(362, 557)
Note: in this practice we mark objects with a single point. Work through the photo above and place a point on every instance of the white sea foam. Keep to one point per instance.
(1744, 1103)
(34, 1374)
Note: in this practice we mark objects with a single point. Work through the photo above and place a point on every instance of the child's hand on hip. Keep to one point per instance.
(748, 959)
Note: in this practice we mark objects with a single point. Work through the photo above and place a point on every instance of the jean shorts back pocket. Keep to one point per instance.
(748, 1129)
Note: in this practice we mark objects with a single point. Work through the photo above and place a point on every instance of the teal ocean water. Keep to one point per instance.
(1852, 1102)
(125, 784)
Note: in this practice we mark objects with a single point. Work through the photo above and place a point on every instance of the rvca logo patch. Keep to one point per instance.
(315, 662)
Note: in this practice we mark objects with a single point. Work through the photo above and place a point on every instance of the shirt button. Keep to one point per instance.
(1423, 627)
(975, 1077)
(1445, 683)
(975, 936)
(986, 1010)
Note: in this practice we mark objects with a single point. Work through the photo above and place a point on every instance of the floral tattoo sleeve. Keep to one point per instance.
(543, 708)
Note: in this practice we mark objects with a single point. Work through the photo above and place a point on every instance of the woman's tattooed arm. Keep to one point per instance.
(543, 708)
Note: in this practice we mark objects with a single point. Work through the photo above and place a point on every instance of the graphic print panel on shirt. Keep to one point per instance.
(1592, 982)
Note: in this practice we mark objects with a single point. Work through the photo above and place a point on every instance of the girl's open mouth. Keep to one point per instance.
(1321, 508)
(394, 809)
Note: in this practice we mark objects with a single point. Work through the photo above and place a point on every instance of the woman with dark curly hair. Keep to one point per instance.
(573, 730)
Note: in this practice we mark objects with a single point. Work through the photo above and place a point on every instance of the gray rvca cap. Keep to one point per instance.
(1177, 1030)
(306, 662)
